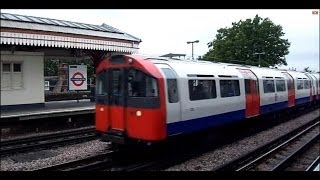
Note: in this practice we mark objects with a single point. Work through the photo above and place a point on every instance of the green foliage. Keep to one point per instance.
(239, 43)
(51, 66)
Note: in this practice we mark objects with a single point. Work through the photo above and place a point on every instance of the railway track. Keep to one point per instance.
(131, 161)
(45, 141)
(114, 159)
(280, 154)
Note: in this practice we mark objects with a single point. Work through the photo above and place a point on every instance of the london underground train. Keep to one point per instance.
(147, 99)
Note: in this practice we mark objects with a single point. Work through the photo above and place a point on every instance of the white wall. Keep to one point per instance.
(33, 78)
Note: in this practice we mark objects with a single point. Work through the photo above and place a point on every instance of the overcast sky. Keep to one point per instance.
(167, 31)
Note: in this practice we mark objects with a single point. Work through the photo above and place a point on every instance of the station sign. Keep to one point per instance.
(77, 79)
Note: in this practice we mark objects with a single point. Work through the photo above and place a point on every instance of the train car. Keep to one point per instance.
(150, 99)
(317, 77)
(314, 85)
(303, 93)
(272, 88)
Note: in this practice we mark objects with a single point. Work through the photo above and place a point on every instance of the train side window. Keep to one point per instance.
(229, 88)
(281, 85)
(299, 84)
(202, 89)
(268, 86)
(172, 85)
(306, 84)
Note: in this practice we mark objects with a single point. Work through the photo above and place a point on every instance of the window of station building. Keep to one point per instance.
(229, 88)
(172, 85)
(141, 85)
(280, 85)
(268, 86)
(11, 75)
(202, 89)
(16, 67)
(299, 84)
(16, 76)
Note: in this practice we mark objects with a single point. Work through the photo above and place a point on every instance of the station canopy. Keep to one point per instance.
(38, 31)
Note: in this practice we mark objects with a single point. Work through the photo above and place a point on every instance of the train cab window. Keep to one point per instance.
(268, 86)
(202, 89)
(299, 84)
(116, 82)
(102, 85)
(306, 84)
(141, 84)
(280, 85)
(172, 85)
(229, 88)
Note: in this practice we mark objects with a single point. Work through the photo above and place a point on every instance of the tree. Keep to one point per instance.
(241, 43)
(51, 66)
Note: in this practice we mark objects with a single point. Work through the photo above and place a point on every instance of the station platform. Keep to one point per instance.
(51, 109)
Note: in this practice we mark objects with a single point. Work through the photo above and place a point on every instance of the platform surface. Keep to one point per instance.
(53, 108)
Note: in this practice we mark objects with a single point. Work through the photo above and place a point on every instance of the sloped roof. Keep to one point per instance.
(55, 25)
(38, 31)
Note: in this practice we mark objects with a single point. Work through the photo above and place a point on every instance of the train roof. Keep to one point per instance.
(185, 67)
(191, 68)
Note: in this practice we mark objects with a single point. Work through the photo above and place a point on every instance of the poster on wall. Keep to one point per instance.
(77, 79)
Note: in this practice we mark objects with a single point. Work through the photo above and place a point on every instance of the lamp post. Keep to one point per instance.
(259, 56)
(192, 42)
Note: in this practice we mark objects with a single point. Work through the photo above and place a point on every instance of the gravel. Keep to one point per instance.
(23, 162)
(228, 152)
(205, 162)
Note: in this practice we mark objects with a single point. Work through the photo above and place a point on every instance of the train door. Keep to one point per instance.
(173, 102)
(317, 88)
(252, 93)
(117, 98)
(312, 86)
(290, 87)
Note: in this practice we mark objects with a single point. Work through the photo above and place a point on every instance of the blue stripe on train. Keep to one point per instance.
(273, 107)
(302, 100)
(193, 125)
(198, 124)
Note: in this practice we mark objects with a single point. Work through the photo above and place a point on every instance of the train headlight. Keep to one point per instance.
(101, 109)
(138, 113)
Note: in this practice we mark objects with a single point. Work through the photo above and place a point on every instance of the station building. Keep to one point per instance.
(26, 41)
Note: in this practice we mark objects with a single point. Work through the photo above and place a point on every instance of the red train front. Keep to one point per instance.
(130, 100)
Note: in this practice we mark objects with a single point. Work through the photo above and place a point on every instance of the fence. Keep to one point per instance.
(55, 91)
